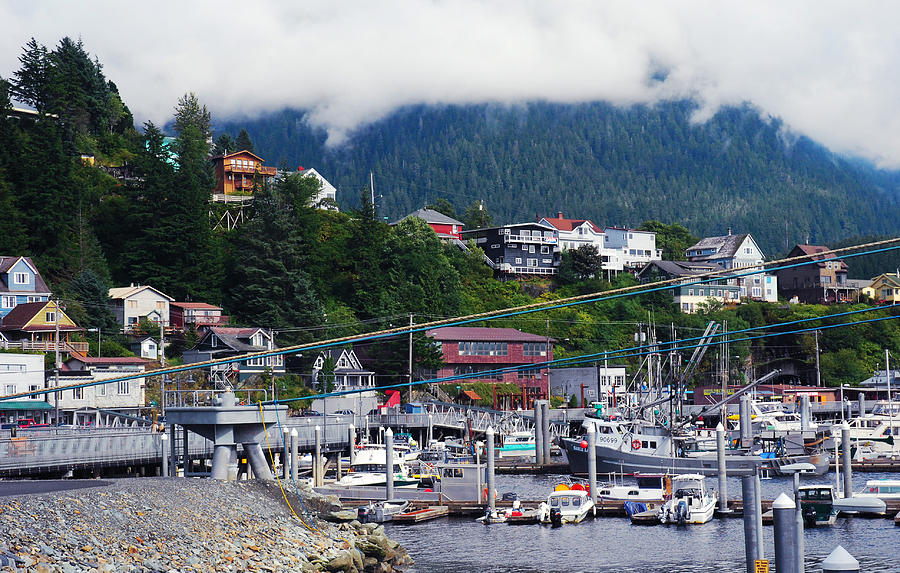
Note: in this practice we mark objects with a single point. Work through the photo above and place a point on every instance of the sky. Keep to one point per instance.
(827, 69)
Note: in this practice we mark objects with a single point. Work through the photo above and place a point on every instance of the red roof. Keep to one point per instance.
(455, 333)
(111, 359)
(563, 224)
(814, 250)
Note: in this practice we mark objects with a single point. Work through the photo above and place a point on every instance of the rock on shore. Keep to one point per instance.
(181, 525)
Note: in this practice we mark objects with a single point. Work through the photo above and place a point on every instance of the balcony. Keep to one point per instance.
(530, 239)
(46, 346)
(267, 171)
(519, 270)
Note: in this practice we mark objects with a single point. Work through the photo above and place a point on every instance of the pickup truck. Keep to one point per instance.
(23, 423)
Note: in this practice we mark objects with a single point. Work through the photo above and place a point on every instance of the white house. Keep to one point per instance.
(349, 374)
(22, 373)
(636, 248)
(575, 233)
(326, 191)
(132, 303)
(145, 347)
(738, 252)
(126, 396)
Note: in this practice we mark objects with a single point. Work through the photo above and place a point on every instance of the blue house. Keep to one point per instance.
(20, 282)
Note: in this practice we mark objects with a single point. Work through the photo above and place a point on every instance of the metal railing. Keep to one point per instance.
(45, 346)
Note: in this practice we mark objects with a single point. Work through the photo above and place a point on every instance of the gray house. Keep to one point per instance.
(521, 249)
(220, 342)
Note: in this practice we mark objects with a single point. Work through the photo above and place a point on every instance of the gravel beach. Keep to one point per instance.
(172, 524)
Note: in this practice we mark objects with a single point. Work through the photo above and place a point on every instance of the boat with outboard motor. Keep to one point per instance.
(690, 503)
(368, 469)
(566, 504)
(381, 511)
(639, 446)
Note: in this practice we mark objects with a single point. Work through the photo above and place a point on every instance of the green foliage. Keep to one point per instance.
(224, 144)
(243, 143)
(476, 216)
(580, 264)
(673, 239)
(191, 115)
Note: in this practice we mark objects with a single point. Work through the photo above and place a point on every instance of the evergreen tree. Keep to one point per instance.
(243, 143)
(92, 292)
(476, 216)
(32, 85)
(579, 264)
(443, 206)
(190, 113)
(225, 144)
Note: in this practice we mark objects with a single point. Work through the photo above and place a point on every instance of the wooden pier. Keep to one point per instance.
(420, 515)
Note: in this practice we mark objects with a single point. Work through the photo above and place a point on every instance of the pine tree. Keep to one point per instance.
(243, 143)
(32, 83)
(224, 144)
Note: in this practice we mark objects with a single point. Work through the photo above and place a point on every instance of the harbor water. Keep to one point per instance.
(457, 544)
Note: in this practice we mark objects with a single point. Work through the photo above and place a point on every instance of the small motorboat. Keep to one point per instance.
(881, 488)
(381, 511)
(691, 502)
(493, 516)
(566, 504)
(817, 505)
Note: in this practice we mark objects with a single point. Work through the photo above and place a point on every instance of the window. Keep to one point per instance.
(690, 292)
(257, 339)
(547, 261)
(122, 387)
(531, 248)
(685, 307)
(9, 301)
(545, 250)
(826, 279)
(483, 348)
(535, 348)
(161, 305)
(101, 390)
(518, 260)
(20, 278)
(10, 389)
(532, 262)
(495, 246)
(49, 316)
(132, 304)
(78, 393)
(35, 298)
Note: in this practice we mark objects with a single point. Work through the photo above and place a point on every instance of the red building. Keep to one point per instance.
(471, 350)
(447, 228)
(196, 314)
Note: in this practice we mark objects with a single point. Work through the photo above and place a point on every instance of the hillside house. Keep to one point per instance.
(183, 315)
(471, 350)
(824, 280)
(82, 406)
(239, 172)
(33, 326)
(730, 251)
(132, 304)
(688, 294)
(219, 342)
(520, 249)
(637, 248)
(447, 228)
(23, 373)
(20, 282)
(575, 233)
(145, 347)
(349, 374)
(885, 288)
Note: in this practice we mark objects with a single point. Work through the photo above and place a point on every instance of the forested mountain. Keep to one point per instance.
(616, 166)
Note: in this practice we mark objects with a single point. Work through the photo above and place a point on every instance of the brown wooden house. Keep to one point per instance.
(239, 172)
(825, 280)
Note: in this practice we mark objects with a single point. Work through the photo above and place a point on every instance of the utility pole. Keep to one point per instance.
(56, 363)
(410, 356)
(162, 344)
(887, 372)
(818, 373)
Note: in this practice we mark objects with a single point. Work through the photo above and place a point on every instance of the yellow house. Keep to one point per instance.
(886, 288)
(33, 326)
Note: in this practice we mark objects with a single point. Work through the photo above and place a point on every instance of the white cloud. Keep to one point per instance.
(828, 69)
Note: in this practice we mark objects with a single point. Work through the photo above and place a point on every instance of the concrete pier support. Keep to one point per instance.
(538, 434)
(220, 462)
(545, 428)
(845, 459)
(295, 461)
(861, 402)
(751, 539)
(592, 461)
(165, 456)
(257, 460)
(352, 435)
(804, 413)
(286, 457)
(489, 435)
(317, 458)
(746, 423)
(173, 459)
(783, 510)
(389, 464)
(720, 460)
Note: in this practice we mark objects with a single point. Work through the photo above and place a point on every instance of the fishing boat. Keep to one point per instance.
(368, 469)
(647, 488)
(517, 444)
(881, 488)
(691, 502)
(817, 505)
(381, 511)
(566, 505)
(639, 446)
(873, 434)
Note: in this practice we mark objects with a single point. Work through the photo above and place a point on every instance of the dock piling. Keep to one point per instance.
(840, 560)
(751, 533)
(538, 433)
(489, 434)
(592, 462)
(294, 451)
(720, 459)
(389, 464)
(545, 427)
(804, 413)
(746, 422)
(845, 460)
(317, 459)
(165, 457)
(352, 432)
(286, 457)
(783, 510)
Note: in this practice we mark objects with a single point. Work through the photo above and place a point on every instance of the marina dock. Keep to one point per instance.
(419, 515)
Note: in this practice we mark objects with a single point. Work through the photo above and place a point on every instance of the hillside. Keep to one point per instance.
(617, 166)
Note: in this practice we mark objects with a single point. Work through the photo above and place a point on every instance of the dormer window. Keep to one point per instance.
(20, 278)
(256, 339)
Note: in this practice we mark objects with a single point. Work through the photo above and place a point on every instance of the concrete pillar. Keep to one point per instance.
(257, 461)
(388, 464)
(186, 453)
(592, 461)
(173, 458)
(845, 460)
(339, 472)
(751, 540)
(746, 422)
(221, 462)
(720, 460)
(430, 429)
(861, 400)
(317, 458)
(294, 458)
(232, 463)
(165, 456)
(759, 524)
(783, 509)
(489, 435)
(798, 524)
(839, 560)
(538, 434)
(804, 413)
(286, 457)
(545, 405)
(352, 432)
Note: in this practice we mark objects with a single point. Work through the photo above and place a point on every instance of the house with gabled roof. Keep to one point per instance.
(575, 233)
(738, 252)
(239, 172)
(219, 342)
(885, 288)
(447, 228)
(134, 303)
(518, 249)
(822, 280)
(692, 287)
(20, 282)
(349, 374)
(636, 247)
(184, 315)
(82, 406)
(33, 326)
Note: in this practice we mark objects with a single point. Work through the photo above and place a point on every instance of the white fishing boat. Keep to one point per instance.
(368, 469)
(691, 502)
(873, 434)
(881, 488)
(517, 444)
(647, 488)
(566, 505)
